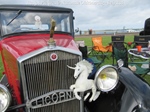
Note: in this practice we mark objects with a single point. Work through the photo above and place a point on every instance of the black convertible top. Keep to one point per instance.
(35, 8)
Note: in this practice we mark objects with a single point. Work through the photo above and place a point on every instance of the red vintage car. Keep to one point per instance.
(35, 62)
(37, 43)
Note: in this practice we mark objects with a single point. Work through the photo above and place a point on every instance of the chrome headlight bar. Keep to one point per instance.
(106, 78)
(5, 98)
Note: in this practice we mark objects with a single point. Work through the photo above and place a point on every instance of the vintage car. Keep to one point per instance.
(37, 43)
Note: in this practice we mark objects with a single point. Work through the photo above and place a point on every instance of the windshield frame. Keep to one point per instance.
(39, 9)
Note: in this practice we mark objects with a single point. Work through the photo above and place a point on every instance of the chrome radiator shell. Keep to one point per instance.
(40, 75)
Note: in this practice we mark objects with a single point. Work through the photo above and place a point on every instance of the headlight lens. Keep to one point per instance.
(5, 98)
(106, 78)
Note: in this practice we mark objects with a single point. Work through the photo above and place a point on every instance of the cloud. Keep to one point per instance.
(13, 2)
(101, 14)
(111, 14)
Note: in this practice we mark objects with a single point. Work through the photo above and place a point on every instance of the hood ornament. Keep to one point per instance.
(51, 42)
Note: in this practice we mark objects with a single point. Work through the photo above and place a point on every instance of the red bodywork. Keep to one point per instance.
(16, 46)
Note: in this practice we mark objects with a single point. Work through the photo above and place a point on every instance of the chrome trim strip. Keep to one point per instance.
(82, 102)
(44, 49)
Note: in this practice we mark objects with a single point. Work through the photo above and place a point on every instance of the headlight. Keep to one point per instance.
(5, 98)
(106, 78)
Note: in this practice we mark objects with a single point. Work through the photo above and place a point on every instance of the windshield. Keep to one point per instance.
(23, 21)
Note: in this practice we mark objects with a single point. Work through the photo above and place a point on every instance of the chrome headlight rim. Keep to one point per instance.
(7, 93)
(98, 73)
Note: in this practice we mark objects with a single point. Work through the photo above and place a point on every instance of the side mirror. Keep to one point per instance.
(77, 30)
(73, 18)
(120, 63)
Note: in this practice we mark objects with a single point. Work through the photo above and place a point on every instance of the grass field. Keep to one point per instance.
(1, 67)
(106, 39)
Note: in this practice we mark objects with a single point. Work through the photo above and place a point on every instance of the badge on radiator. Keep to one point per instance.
(53, 56)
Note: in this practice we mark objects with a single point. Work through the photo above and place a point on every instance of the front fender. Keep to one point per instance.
(138, 88)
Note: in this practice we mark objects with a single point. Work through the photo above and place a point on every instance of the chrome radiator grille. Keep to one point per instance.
(42, 75)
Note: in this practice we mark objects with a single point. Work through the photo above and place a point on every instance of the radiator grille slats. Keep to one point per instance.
(42, 75)
(71, 106)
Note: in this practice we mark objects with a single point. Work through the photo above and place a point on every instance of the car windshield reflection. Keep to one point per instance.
(14, 22)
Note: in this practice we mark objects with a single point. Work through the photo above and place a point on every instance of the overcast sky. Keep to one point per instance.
(100, 14)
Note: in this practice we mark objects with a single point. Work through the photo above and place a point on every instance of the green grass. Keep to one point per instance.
(106, 39)
(1, 67)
